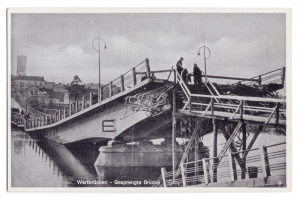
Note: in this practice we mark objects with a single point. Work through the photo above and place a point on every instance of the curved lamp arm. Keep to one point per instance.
(206, 48)
(99, 45)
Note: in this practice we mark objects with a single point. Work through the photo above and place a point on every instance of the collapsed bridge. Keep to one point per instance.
(138, 107)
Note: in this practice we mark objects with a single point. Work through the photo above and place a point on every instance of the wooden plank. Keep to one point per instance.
(174, 92)
(246, 98)
(229, 141)
(170, 73)
(191, 140)
(161, 71)
(244, 145)
(257, 132)
(232, 78)
(224, 115)
(232, 146)
(264, 162)
(215, 150)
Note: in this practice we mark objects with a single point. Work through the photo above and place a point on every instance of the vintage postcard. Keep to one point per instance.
(156, 100)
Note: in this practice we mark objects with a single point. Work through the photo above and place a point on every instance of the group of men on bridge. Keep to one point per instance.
(187, 77)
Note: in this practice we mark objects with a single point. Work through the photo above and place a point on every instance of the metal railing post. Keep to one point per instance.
(163, 175)
(277, 113)
(110, 92)
(204, 164)
(133, 76)
(83, 103)
(122, 83)
(242, 108)
(76, 103)
(70, 108)
(90, 99)
(99, 94)
(183, 174)
(283, 75)
(212, 105)
(264, 162)
(147, 67)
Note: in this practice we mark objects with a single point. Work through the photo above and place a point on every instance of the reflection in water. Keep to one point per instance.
(38, 162)
(41, 163)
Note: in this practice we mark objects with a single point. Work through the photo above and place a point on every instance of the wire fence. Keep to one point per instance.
(261, 162)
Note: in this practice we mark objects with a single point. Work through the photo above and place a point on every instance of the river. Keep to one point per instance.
(38, 162)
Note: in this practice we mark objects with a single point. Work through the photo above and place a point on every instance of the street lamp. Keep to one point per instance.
(98, 50)
(205, 47)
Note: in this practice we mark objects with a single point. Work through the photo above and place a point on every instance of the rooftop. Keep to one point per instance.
(29, 78)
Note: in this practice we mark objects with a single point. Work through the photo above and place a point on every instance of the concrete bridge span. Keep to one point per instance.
(106, 120)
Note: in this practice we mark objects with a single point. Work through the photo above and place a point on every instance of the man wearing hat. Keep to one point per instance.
(179, 65)
(197, 76)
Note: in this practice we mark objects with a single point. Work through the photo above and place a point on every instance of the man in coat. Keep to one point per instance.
(197, 76)
(179, 66)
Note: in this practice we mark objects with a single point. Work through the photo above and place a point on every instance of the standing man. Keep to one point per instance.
(179, 66)
(185, 76)
(197, 76)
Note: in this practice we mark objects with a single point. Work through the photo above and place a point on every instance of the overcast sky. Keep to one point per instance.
(59, 46)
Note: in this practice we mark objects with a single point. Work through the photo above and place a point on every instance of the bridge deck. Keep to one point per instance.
(92, 107)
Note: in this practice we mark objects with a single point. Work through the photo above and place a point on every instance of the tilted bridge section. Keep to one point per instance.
(111, 113)
(107, 116)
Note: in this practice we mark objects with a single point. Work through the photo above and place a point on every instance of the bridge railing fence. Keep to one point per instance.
(262, 162)
(237, 106)
(276, 159)
(275, 76)
(120, 84)
(21, 100)
(105, 91)
(116, 86)
(249, 167)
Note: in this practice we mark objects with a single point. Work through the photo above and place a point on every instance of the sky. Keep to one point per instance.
(59, 46)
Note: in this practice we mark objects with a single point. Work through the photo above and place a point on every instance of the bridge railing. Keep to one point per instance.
(126, 81)
(232, 106)
(20, 99)
(236, 107)
(17, 119)
(275, 76)
(262, 162)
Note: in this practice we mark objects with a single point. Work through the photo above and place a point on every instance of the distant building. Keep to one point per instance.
(20, 83)
(59, 88)
(21, 65)
(49, 85)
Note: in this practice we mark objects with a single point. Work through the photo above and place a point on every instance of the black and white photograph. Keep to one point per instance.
(148, 98)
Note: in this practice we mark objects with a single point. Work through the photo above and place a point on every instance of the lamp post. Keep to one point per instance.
(98, 50)
(204, 47)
